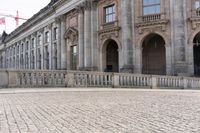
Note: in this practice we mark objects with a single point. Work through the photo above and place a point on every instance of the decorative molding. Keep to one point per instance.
(71, 34)
(152, 26)
(195, 22)
(106, 2)
(107, 33)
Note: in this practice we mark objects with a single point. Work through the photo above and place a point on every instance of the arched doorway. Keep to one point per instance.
(153, 55)
(196, 52)
(111, 56)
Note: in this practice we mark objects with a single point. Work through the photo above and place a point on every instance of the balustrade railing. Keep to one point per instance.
(169, 82)
(196, 13)
(42, 78)
(59, 78)
(193, 83)
(133, 80)
(92, 79)
(153, 17)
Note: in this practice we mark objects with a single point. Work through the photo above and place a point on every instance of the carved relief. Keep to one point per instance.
(195, 23)
(152, 26)
(72, 35)
(72, 19)
(106, 33)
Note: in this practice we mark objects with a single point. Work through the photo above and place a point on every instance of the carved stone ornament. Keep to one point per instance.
(152, 26)
(71, 34)
(195, 23)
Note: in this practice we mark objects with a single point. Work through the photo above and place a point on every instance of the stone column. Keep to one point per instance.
(138, 60)
(80, 38)
(179, 39)
(29, 53)
(63, 45)
(94, 36)
(19, 65)
(42, 49)
(35, 53)
(58, 22)
(50, 46)
(190, 57)
(127, 45)
(87, 36)
(168, 60)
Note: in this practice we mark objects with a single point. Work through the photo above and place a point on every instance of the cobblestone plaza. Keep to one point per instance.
(99, 111)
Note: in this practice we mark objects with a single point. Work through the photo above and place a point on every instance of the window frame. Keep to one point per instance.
(47, 37)
(150, 5)
(113, 13)
(74, 57)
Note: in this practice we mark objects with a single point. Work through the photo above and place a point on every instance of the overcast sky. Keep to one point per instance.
(26, 8)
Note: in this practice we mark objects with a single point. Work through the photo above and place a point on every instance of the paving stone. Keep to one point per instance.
(100, 112)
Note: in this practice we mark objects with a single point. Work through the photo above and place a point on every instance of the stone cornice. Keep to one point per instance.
(35, 19)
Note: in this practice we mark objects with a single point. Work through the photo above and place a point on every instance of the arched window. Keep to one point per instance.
(151, 7)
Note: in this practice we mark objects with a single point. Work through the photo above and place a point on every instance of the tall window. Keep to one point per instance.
(47, 39)
(39, 59)
(32, 60)
(22, 47)
(18, 49)
(39, 40)
(151, 7)
(55, 33)
(47, 57)
(74, 57)
(13, 51)
(197, 4)
(27, 46)
(33, 43)
(109, 13)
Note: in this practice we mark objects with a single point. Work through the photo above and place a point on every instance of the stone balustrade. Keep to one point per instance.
(62, 78)
(153, 17)
(196, 13)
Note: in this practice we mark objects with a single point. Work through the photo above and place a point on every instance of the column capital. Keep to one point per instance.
(60, 18)
(87, 5)
(79, 8)
(40, 31)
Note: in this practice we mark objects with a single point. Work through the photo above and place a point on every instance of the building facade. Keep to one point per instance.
(136, 36)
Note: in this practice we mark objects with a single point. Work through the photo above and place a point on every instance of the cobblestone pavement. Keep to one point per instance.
(111, 111)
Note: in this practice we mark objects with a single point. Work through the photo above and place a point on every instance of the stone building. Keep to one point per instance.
(137, 36)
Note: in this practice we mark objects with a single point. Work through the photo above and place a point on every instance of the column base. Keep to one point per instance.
(127, 69)
(181, 69)
(88, 69)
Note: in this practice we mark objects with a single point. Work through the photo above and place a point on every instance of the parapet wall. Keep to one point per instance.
(60, 78)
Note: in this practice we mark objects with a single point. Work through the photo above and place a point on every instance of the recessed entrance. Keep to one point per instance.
(111, 56)
(196, 52)
(153, 55)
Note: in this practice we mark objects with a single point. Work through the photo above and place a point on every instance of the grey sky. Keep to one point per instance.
(26, 8)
